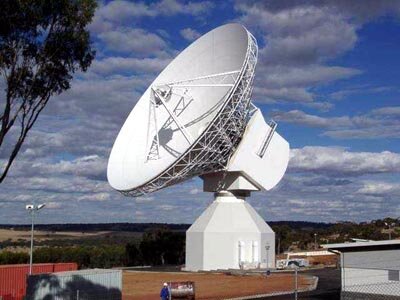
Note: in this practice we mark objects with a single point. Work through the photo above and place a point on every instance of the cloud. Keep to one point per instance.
(298, 39)
(340, 162)
(64, 159)
(282, 76)
(378, 123)
(133, 41)
(342, 94)
(300, 117)
(122, 65)
(189, 34)
(380, 188)
(124, 11)
(387, 111)
(284, 83)
(271, 95)
(53, 205)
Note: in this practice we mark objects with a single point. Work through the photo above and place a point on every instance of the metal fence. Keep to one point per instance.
(370, 283)
(296, 287)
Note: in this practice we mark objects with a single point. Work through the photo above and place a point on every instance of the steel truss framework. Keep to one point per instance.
(160, 95)
(212, 150)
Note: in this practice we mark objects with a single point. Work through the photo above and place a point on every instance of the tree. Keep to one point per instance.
(163, 246)
(133, 255)
(42, 44)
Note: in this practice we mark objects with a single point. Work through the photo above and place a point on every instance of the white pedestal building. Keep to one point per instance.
(229, 234)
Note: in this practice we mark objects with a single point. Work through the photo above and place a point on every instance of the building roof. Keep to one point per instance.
(364, 246)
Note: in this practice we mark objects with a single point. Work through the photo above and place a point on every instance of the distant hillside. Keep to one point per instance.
(134, 227)
(142, 227)
(303, 225)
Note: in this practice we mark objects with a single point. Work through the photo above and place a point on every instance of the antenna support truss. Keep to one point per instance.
(212, 150)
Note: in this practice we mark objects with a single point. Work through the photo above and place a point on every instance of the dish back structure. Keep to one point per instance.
(216, 144)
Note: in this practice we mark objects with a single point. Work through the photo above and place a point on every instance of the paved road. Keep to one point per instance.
(328, 286)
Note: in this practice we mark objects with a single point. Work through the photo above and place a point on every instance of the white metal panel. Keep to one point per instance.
(265, 171)
(94, 283)
(379, 259)
(255, 252)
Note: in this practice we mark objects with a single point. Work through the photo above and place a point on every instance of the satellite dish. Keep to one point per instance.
(191, 118)
(196, 119)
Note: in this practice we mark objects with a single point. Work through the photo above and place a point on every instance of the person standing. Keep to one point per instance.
(164, 294)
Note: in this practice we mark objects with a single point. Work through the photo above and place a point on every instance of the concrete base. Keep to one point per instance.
(229, 234)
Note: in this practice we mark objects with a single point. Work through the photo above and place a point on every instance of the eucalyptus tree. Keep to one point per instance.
(42, 44)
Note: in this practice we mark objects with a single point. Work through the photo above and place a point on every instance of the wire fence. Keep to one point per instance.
(370, 283)
(294, 287)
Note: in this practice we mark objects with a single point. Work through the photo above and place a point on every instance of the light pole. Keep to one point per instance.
(267, 248)
(32, 209)
(315, 241)
(390, 229)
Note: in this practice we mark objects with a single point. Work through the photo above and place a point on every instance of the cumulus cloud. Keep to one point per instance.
(300, 38)
(339, 161)
(342, 94)
(378, 123)
(133, 41)
(122, 10)
(116, 13)
(391, 111)
(189, 34)
(64, 159)
(380, 188)
(118, 65)
(297, 41)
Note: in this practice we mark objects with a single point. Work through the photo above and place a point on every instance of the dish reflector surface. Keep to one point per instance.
(191, 118)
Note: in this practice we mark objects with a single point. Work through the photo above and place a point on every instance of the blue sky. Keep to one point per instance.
(328, 73)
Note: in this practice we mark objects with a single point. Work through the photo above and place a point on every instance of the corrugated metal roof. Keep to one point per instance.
(395, 244)
(88, 271)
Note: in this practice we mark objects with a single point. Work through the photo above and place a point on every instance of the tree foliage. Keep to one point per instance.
(42, 44)
(163, 247)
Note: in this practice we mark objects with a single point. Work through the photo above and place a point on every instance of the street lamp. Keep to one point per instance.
(315, 241)
(32, 209)
(267, 249)
(390, 229)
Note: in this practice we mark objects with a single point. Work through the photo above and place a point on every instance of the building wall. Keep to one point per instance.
(383, 259)
(194, 251)
(371, 272)
(84, 284)
(221, 250)
(229, 235)
(268, 239)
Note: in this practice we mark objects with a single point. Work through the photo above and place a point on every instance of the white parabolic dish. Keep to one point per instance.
(191, 118)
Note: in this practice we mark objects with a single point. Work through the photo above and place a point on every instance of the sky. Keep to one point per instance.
(328, 72)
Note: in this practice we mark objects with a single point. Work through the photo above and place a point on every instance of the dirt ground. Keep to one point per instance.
(147, 285)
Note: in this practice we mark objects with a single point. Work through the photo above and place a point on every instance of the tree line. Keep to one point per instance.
(159, 247)
(163, 245)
